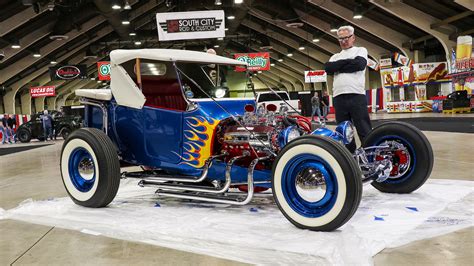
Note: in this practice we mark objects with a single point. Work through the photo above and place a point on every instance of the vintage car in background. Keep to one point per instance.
(63, 125)
(159, 114)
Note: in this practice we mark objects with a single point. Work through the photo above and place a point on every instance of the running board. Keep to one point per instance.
(218, 190)
(219, 198)
(184, 179)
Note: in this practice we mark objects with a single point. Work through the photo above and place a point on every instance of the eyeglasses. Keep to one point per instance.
(341, 39)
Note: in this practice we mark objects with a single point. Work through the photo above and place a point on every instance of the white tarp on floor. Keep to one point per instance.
(258, 233)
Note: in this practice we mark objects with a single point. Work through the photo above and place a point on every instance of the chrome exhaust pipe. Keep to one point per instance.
(184, 179)
(221, 199)
(228, 180)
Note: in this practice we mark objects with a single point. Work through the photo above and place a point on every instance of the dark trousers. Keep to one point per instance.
(353, 107)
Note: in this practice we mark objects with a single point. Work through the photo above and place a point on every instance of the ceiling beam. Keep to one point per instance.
(373, 50)
(18, 19)
(418, 19)
(381, 31)
(451, 19)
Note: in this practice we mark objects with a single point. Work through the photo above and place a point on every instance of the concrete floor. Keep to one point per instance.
(35, 174)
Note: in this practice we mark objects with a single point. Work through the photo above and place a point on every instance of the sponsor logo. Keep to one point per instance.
(255, 61)
(43, 91)
(68, 72)
(190, 25)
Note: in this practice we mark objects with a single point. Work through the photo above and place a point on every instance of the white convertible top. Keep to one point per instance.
(121, 56)
(125, 90)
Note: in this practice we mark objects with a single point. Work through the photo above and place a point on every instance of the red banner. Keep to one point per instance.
(43, 91)
(104, 70)
(255, 61)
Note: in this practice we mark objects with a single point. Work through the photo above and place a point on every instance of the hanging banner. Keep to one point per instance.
(314, 76)
(68, 72)
(402, 59)
(386, 63)
(255, 61)
(372, 64)
(464, 55)
(42, 91)
(190, 25)
(415, 74)
(104, 70)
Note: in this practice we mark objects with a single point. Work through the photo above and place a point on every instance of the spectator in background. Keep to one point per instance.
(3, 126)
(47, 125)
(315, 104)
(11, 124)
(325, 104)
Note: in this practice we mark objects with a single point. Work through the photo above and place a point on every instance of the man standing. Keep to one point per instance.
(3, 126)
(11, 125)
(325, 104)
(348, 68)
(47, 125)
(315, 105)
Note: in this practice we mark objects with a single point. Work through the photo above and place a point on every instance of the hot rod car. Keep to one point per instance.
(160, 113)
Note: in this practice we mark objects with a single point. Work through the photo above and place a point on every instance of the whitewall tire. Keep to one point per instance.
(316, 183)
(90, 168)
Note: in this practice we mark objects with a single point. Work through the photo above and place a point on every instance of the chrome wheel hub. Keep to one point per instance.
(311, 184)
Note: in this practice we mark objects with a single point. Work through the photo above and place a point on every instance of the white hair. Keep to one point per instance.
(350, 29)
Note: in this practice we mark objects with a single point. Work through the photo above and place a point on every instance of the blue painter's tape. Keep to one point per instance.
(378, 218)
(157, 205)
(412, 209)
(253, 209)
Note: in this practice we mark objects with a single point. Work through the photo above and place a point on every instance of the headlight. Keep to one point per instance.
(346, 131)
(287, 135)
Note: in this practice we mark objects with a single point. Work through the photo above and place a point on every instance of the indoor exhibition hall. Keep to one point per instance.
(236, 132)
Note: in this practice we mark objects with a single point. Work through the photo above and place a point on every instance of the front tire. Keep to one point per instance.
(65, 132)
(316, 183)
(414, 152)
(90, 168)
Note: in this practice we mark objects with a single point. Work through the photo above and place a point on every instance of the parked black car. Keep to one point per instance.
(63, 125)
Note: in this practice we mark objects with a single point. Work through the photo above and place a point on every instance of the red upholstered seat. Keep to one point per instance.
(161, 92)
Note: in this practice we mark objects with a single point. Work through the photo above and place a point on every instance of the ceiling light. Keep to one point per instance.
(357, 12)
(238, 1)
(16, 44)
(216, 46)
(92, 78)
(99, 81)
(280, 59)
(333, 27)
(231, 17)
(125, 22)
(53, 62)
(116, 6)
(301, 48)
(316, 40)
(36, 54)
(259, 71)
(272, 64)
(218, 2)
(220, 39)
(289, 54)
(132, 34)
(127, 6)
(226, 29)
(138, 43)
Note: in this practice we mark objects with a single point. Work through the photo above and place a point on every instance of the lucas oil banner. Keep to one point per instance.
(190, 25)
(255, 61)
(43, 91)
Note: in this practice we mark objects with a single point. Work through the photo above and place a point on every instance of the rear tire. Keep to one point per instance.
(316, 183)
(421, 157)
(24, 135)
(90, 168)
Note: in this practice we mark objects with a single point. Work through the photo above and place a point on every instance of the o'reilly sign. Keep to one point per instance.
(190, 25)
